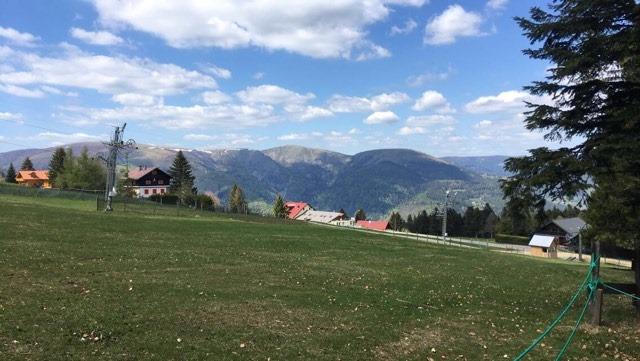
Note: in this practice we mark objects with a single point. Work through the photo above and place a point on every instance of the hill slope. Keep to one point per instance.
(377, 180)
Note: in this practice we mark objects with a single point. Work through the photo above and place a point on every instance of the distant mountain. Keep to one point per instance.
(492, 165)
(378, 181)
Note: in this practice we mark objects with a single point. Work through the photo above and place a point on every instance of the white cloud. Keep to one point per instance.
(433, 100)
(483, 124)
(219, 72)
(411, 131)
(56, 91)
(349, 104)
(66, 138)
(382, 118)
(497, 4)
(96, 37)
(453, 23)
(20, 91)
(316, 28)
(430, 120)
(258, 75)
(134, 99)
(200, 137)
(407, 28)
(10, 116)
(307, 112)
(229, 116)
(105, 74)
(509, 101)
(272, 94)
(18, 38)
(294, 136)
(430, 76)
(215, 97)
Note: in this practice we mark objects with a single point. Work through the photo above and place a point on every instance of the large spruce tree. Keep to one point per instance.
(182, 180)
(594, 81)
(27, 164)
(237, 202)
(10, 176)
(56, 165)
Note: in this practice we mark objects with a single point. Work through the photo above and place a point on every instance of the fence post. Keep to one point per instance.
(595, 303)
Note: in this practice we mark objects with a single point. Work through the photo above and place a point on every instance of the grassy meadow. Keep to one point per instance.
(77, 284)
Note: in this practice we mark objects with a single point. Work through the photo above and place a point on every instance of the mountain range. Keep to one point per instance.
(378, 181)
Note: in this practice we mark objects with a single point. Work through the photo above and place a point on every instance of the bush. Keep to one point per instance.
(507, 238)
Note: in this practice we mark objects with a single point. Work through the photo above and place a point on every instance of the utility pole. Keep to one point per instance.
(446, 208)
(115, 145)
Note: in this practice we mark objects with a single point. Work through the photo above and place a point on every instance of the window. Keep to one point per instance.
(146, 191)
(155, 191)
(160, 181)
(161, 190)
(147, 182)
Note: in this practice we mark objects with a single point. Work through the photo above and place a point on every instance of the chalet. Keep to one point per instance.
(565, 229)
(373, 225)
(296, 209)
(34, 178)
(320, 216)
(149, 181)
(543, 245)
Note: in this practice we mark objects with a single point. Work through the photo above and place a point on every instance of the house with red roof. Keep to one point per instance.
(373, 225)
(34, 178)
(296, 209)
(147, 181)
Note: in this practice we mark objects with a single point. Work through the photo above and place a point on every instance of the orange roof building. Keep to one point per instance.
(374, 225)
(297, 209)
(34, 178)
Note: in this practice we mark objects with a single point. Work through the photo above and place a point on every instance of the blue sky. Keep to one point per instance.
(440, 77)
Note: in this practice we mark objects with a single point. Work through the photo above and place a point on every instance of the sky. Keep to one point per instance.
(441, 77)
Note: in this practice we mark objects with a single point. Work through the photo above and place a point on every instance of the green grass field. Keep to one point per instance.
(83, 285)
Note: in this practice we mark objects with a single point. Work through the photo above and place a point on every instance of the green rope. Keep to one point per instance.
(561, 315)
(620, 291)
(575, 328)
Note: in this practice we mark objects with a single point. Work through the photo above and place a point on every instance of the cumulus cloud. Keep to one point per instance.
(272, 94)
(65, 138)
(429, 76)
(434, 101)
(430, 120)
(508, 101)
(385, 117)
(10, 116)
(453, 23)
(96, 37)
(316, 28)
(380, 102)
(411, 130)
(215, 97)
(134, 99)
(219, 72)
(18, 38)
(307, 112)
(104, 74)
(406, 28)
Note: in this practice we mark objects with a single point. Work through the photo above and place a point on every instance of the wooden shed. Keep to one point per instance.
(543, 245)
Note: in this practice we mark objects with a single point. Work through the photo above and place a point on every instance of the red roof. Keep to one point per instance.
(140, 172)
(295, 208)
(375, 225)
(33, 175)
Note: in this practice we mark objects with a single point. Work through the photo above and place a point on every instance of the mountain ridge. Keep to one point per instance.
(379, 180)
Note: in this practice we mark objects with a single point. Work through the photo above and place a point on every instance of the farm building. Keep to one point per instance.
(34, 178)
(297, 209)
(373, 225)
(320, 216)
(566, 229)
(543, 245)
(149, 181)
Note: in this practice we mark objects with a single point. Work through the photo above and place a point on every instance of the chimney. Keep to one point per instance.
(140, 167)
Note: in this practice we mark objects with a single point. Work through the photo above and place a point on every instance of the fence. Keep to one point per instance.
(145, 206)
(19, 190)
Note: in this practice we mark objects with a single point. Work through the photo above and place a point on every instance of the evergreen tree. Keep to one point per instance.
(56, 165)
(360, 215)
(26, 164)
(279, 208)
(82, 172)
(594, 81)
(237, 203)
(344, 213)
(10, 177)
(410, 225)
(182, 180)
(396, 222)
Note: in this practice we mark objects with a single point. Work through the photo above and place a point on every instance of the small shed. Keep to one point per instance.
(543, 245)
